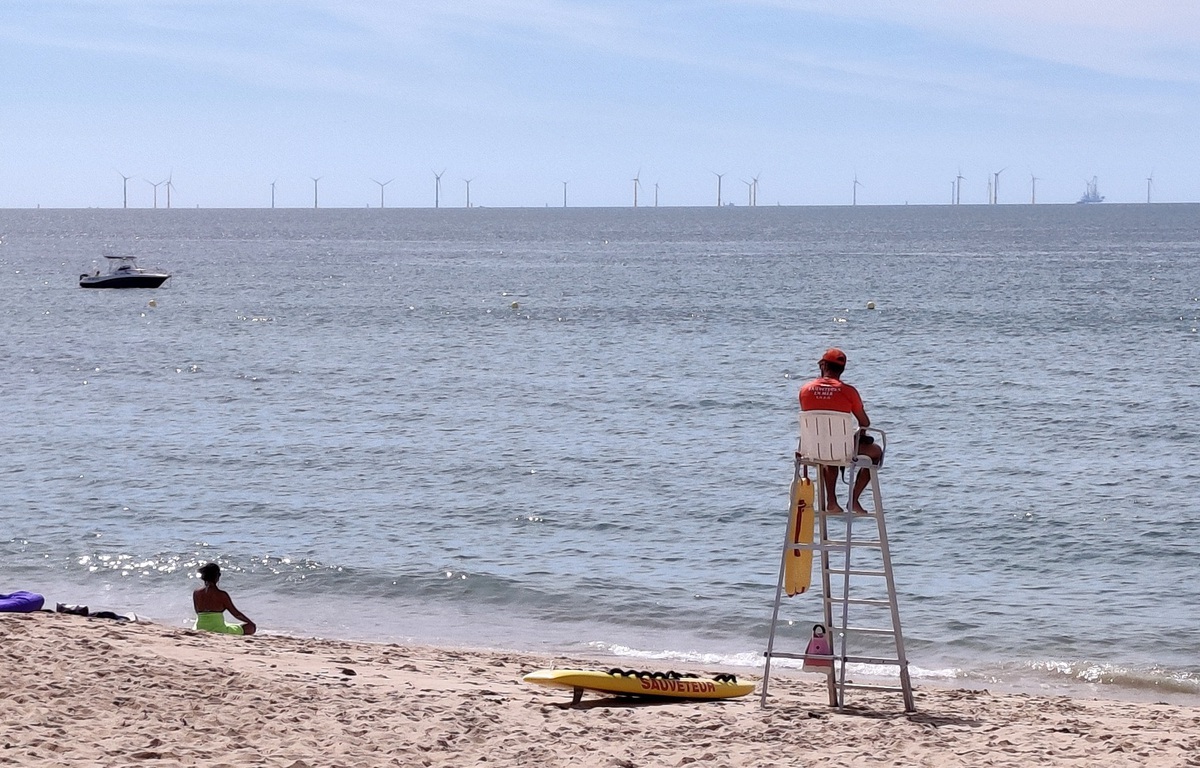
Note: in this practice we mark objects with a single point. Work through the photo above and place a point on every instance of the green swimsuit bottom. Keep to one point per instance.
(215, 622)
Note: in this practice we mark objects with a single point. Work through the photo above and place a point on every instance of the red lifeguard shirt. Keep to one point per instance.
(827, 394)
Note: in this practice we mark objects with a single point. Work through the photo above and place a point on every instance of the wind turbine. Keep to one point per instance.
(656, 194)
(751, 191)
(155, 185)
(996, 186)
(959, 179)
(857, 184)
(1033, 180)
(637, 182)
(124, 189)
(382, 184)
(170, 185)
(564, 194)
(315, 180)
(719, 177)
(272, 194)
(1149, 184)
(437, 188)
(468, 181)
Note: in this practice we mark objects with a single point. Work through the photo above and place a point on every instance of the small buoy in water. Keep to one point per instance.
(870, 305)
(153, 303)
(515, 305)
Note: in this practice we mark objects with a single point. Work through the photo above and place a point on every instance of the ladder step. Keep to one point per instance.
(856, 543)
(869, 660)
(835, 570)
(849, 659)
(805, 656)
(867, 687)
(803, 547)
(866, 630)
(859, 601)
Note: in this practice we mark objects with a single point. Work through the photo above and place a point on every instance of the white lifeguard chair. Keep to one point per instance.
(830, 439)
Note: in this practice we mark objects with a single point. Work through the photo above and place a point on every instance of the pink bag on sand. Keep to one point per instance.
(819, 646)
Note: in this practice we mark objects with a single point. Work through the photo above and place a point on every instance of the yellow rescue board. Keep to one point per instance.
(797, 565)
(640, 684)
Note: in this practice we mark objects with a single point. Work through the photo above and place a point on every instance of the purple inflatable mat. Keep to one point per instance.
(21, 602)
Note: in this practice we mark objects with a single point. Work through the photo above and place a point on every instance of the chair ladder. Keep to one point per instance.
(841, 565)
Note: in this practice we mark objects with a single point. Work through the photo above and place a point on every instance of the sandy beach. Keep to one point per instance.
(95, 692)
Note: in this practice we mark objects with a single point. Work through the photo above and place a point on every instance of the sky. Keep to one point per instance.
(225, 99)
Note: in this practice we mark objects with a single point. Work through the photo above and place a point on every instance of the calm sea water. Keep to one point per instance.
(571, 429)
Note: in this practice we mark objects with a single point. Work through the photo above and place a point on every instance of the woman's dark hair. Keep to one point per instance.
(210, 572)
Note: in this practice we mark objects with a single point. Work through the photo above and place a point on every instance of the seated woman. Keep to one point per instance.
(211, 602)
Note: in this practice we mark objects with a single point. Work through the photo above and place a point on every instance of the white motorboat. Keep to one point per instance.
(124, 272)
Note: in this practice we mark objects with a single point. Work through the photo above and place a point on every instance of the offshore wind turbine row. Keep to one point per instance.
(1091, 195)
(1091, 192)
(170, 185)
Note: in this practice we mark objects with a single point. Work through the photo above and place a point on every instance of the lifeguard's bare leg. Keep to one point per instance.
(875, 454)
(829, 477)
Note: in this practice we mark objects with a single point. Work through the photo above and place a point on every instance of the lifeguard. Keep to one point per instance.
(830, 393)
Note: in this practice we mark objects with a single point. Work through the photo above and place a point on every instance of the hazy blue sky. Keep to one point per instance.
(520, 95)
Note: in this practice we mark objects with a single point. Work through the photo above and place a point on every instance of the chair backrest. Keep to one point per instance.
(827, 437)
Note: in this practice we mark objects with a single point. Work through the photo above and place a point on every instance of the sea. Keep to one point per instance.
(570, 430)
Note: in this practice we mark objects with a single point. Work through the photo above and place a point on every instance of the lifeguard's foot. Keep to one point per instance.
(834, 508)
(859, 509)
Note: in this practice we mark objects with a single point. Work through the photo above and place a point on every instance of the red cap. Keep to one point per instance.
(834, 355)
